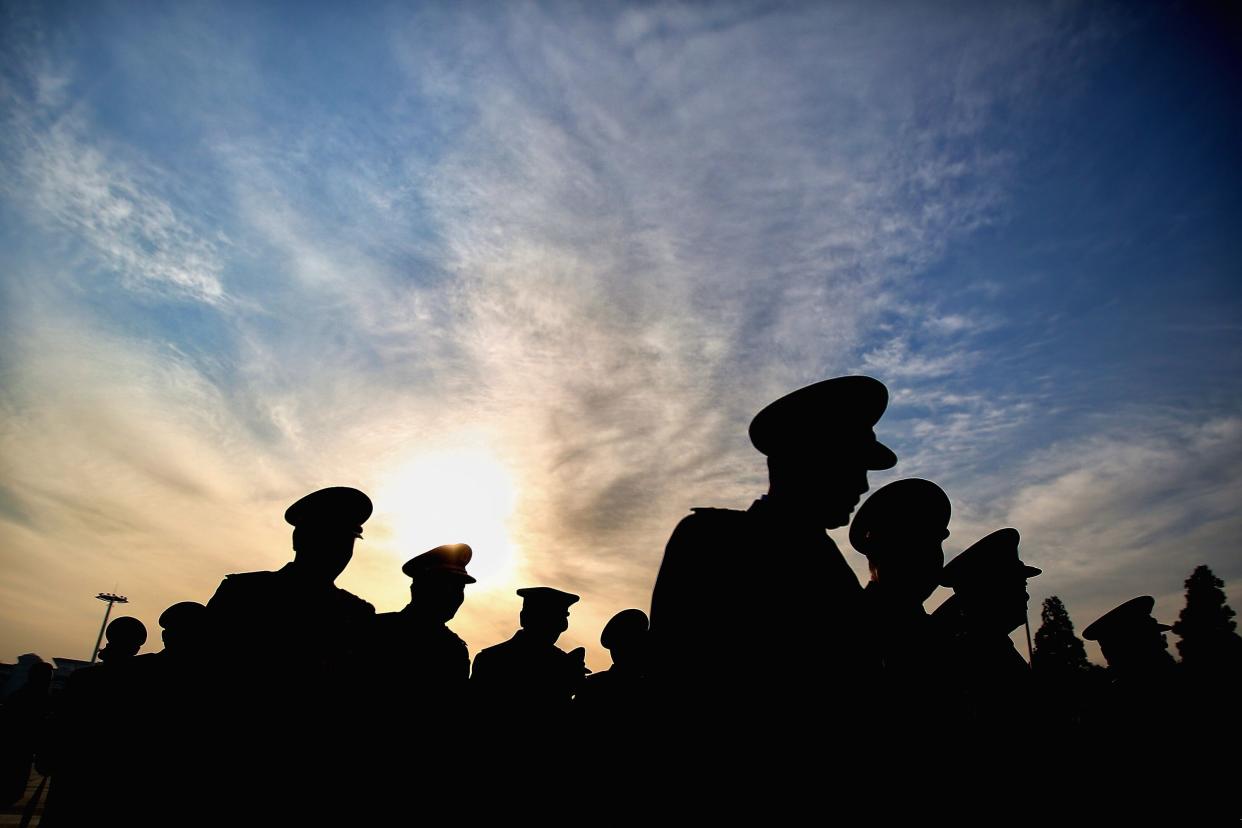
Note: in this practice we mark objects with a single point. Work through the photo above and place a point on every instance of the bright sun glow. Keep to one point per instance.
(455, 496)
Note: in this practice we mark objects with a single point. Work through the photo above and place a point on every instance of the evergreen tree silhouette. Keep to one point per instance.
(1057, 649)
(1206, 626)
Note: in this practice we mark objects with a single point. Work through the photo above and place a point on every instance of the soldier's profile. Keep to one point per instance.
(100, 699)
(125, 637)
(901, 529)
(1132, 641)
(989, 602)
(620, 692)
(297, 612)
(284, 724)
(430, 663)
(744, 598)
(990, 687)
(529, 670)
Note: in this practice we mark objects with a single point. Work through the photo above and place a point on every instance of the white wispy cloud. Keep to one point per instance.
(83, 191)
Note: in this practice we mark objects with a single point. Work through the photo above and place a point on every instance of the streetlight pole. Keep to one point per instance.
(111, 599)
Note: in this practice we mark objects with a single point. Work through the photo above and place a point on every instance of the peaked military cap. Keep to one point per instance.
(183, 613)
(547, 598)
(627, 624)
(126, 629)
(992, 557)
(1132, 616)
(337, 507)
(837, 415)
(910, 506)
(449, 559)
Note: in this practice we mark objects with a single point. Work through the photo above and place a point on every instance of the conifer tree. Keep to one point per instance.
(1057, 649)
(1205, 625)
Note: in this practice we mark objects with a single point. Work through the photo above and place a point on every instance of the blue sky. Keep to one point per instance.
(546, 260)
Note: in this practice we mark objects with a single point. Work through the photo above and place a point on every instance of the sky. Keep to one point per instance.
(523, 272)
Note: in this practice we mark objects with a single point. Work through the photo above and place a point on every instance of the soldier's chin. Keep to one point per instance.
(835, 519)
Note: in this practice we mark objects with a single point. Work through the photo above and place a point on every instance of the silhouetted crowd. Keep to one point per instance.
(767, 682)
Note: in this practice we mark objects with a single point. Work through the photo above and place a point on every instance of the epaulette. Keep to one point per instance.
(719, 515)
(243, 577)
(358, 603)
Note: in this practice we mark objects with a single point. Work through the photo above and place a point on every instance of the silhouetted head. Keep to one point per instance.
(1130, 638)
(990, 581)
(545, 611)
(325, 525)
(900, 529)
(125, 635)
(184, 626)
(625, 636)
(438, 581)
(820, 443)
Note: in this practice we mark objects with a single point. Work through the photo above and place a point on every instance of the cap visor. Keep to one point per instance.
(880, 457)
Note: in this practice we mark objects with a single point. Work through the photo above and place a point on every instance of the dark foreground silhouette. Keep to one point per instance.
(767, 684)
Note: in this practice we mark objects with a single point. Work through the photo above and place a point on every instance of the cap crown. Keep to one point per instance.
(835, 415)
(449, 559)
(992, 558)
(1131, 617)
(911, 506)
(337, 507)
(547, 597)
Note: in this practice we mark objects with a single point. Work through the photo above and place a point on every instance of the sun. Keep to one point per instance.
(462, 495)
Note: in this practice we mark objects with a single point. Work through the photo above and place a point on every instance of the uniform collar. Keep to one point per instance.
(786, 521)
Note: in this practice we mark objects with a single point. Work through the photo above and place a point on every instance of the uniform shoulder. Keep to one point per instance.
(247, 579)
(709, 521)
(353, 603)
(713, 513)
(241, 586)
(499, 653)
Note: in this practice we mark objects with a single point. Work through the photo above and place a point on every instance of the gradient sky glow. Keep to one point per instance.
(523, 273)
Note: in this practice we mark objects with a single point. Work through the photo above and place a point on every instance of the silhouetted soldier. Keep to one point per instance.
(1133, 642)
(755, 615)
(174, 720)
(285, 646)
(100, 701)
(612, 716)
(184, 632)
(125, 637)
(522, 689)
(1129, 723)
(988, 603)
(422, 674)
(528, 673)
(619, 694)
(429, 663)
(297, 616)
(990, 686)
(900, 529)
